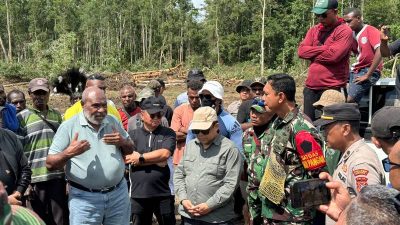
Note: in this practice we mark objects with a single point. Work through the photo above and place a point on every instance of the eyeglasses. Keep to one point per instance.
(18, 102)
(387, 165)
(209, 97)
(159, 115)
(259, 102)
(257, 89)
(205, 132)
(323, 15)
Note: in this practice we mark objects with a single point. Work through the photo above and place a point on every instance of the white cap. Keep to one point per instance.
(215, 88)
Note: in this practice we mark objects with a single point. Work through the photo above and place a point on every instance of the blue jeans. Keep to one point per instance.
(97, 208)
(356, 91)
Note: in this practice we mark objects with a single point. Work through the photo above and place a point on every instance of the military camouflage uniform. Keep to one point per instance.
(255, 160)
(284, 144)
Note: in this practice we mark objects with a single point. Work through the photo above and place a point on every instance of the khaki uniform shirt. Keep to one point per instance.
(359, 167)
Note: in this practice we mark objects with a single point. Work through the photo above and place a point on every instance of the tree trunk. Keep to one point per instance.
(9, 32)
(216, 34)
(262, 39)
(4, 50)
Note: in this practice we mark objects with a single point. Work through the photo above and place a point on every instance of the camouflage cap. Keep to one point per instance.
(145, 93)
(259, 81)
(154, 84)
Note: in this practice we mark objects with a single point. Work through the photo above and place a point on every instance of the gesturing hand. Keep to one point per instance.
(114, 138)
(77, 147)
(384, 33)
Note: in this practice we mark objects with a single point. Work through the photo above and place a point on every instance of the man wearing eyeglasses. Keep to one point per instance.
(243, 116)
(149, 173)
(208, 173)
(385, 127)
(327, 46)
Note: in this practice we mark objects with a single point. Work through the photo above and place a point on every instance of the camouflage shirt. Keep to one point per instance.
(294, 152)
(255, 160)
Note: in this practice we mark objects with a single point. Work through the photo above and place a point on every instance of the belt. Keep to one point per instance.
(103, 190)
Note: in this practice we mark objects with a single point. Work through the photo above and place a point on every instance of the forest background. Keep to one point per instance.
(231, 38)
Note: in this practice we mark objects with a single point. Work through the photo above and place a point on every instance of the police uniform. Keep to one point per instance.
(359, 167)
(294, 152)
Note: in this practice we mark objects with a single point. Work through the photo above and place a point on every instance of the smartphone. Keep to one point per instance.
(309, 193)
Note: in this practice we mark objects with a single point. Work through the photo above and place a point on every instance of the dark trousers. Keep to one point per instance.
(187, 221)
(49, 200)
(310, 97)
(143, 209)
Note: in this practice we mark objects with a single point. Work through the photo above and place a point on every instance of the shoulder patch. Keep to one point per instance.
(359, 172)
(310, 151)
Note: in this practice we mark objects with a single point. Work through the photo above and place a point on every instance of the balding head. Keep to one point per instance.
(94, 103)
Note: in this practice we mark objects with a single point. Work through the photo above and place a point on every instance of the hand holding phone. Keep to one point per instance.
(309, 193)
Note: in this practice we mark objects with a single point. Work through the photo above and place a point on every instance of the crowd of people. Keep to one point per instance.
(101, 164)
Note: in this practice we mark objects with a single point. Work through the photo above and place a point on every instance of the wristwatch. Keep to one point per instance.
(141, 158)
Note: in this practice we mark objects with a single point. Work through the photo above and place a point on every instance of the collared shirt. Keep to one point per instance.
(182, 98)
(181, 119)
(209, 176)
(36, 136)
(151, 180)
(77, 108)
(229, 127)
(233, 108)
(99, 167)
(13, 163)
(125, 115)
(359, 167)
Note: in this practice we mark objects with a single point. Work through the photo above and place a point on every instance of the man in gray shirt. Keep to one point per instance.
(207, 176)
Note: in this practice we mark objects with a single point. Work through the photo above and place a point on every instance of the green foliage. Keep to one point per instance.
(48, 37)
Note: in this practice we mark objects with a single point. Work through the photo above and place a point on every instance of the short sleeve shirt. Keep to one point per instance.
(99, 167)
(152, 180)
(368, 40)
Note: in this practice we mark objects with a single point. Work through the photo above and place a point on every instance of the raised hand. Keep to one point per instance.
(384, 33)
(114, 138)
(77, 147)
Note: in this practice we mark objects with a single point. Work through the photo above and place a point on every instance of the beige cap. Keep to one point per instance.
(203, 118)
(330, 97)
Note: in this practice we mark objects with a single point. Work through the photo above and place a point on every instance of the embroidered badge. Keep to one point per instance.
(359, 172)
(310, 151)
(361, 182)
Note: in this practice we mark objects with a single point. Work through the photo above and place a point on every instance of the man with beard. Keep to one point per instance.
(17, 98)
(38, 126)
(212, 95)
(91, 146)
(149, 173)
(182, 117)
(129, 107)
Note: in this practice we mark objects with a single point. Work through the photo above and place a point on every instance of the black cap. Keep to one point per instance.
(339, 112)
(385, 121)
(245, 83)
(195, 74)
(152, 105)
(259, 81)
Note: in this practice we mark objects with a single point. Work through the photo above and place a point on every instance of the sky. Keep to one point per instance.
(197, 3)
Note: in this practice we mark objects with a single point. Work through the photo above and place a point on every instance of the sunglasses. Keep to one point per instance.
(259, 102)
(205, 132)
(158, 115)
(18, 102)
(323, 15)
(209, 97)
(387, 165)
